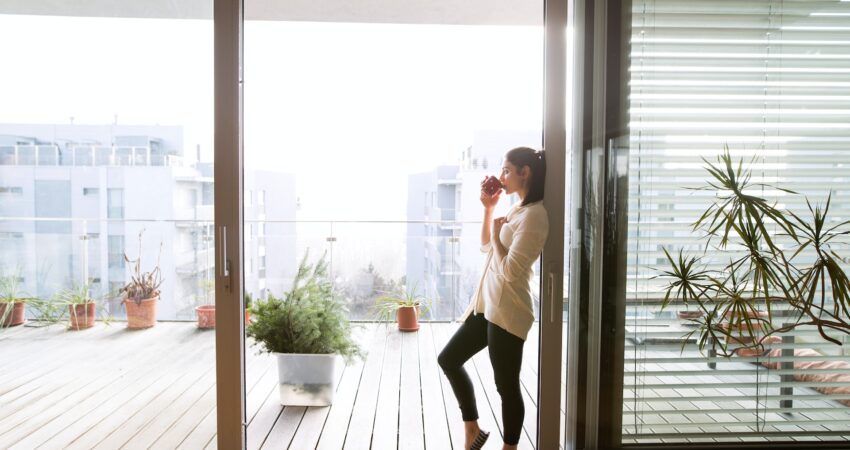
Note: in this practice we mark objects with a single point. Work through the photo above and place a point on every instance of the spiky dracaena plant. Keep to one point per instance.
(142, 285)
(738, 301)
(310, 318)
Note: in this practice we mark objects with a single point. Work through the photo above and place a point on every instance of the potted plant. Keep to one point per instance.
(141, 293)
(81, 307)
(12, 302)
(738, 301)
(404, 305)
(206, 311)
(249, 299)
(307, 330)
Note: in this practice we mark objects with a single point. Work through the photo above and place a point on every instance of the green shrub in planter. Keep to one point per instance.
(309, 319)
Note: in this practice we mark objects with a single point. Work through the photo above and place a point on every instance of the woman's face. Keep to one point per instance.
(513, 178)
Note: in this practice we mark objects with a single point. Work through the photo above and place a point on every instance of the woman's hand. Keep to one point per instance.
(489, 201)
(498, 222)
(500, 251)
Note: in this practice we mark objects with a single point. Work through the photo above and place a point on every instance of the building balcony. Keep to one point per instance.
(156, 389)
(108, 387)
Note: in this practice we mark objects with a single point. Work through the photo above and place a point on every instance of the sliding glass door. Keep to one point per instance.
(366, 134)
(665, 90)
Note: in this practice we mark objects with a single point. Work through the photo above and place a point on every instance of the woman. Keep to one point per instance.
(500, 313)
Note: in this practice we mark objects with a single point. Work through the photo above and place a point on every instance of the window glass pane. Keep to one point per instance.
(91, 94)
(769, 81)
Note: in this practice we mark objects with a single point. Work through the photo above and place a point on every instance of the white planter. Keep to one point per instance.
(306, 379)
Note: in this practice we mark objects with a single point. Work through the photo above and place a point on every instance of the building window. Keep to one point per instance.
(116, 251)
(262, 268)
(115, 203)
(249, 197)
(16, 191)
(261, 197)
(90, 191)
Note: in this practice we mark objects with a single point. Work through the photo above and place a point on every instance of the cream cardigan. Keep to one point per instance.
(504, 291)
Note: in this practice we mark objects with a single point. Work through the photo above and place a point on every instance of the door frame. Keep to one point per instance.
(230, 348)
(229, 343)
(555, 22)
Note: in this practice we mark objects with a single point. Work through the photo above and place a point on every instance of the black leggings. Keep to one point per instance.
(506, 358)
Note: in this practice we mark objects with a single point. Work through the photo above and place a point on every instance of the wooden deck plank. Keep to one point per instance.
(488, 385)
(38, 387)
(333, 435)
(75, 350)
(63, 398)
(16, 353)
(11, 332)
(183, 427)
(202, 434)
(359, 435)
(433, 408)
(284, 428)
(313, 422)
(486, 418)
(262, 423)
(145, 436)
(410, 428)
(186, 402)
(63, 430)
(152, 407)
(454, 419)
(124, 400)
(385, 433)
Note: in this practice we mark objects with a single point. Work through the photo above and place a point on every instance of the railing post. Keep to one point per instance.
(454, 277)
(85, 252)
(787, 339)
(331, 239)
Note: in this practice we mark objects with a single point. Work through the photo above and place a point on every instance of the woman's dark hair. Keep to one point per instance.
(536, 162)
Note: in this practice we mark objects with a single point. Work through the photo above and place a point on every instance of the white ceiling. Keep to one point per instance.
(458, 12)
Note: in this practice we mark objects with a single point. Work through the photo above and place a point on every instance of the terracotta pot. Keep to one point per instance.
(408, 318)
(82, 316)
(16, 317)
(206, 316)
(142, 315)
(247, 316)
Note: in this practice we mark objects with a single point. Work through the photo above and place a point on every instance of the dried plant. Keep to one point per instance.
(142, 285)
(738, 301)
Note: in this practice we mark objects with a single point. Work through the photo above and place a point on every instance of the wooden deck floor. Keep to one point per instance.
(109, 388)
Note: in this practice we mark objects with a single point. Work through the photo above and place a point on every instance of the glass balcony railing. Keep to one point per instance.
(366, 260)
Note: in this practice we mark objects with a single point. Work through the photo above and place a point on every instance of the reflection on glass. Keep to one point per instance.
(765, 84)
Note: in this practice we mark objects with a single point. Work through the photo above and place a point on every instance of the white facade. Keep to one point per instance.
(112, 182)
(446, 256)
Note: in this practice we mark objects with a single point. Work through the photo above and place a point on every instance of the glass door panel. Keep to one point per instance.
(367, 134)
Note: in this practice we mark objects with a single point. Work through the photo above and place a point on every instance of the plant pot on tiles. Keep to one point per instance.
(308, 331)
(141, 293)
(405, 306)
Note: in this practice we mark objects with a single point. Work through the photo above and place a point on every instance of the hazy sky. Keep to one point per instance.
(364, 103)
